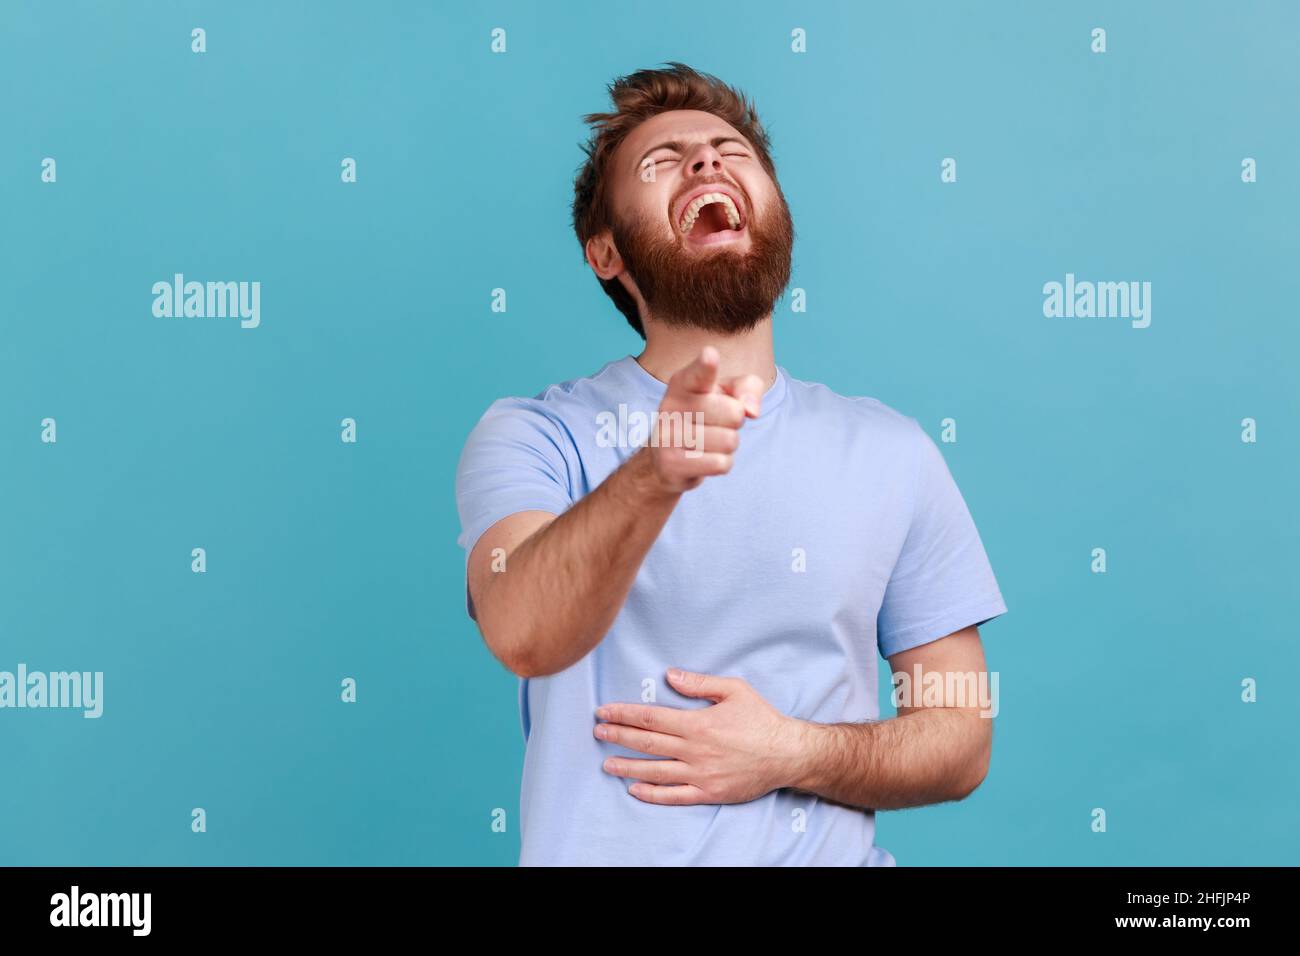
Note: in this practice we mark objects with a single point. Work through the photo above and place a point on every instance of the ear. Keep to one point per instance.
(602, 255)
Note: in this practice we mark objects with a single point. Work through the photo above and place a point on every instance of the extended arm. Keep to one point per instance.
(564, 580)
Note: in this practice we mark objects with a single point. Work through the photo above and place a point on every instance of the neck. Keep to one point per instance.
(671, 348)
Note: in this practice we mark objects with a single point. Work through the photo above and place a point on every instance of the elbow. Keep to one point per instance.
(528, 664)
(513, 655)
(976, 770)
(521, 664)
(517, 656)
(527, 648)
(970, 782)
(514, 644)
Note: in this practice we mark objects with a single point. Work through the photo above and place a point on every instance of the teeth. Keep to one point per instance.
(692, 211)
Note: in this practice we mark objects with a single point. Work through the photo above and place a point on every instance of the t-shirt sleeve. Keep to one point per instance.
(942, 581)
(514, 460)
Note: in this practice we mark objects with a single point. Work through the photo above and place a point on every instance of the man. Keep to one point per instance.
(695, 608)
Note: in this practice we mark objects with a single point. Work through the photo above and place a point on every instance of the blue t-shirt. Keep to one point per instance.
(837, 534)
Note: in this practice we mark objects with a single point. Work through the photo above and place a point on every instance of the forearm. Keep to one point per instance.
(926, 756)
(566, 583)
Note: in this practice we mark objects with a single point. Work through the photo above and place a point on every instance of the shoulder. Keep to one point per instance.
(549, 416)
(859, 414)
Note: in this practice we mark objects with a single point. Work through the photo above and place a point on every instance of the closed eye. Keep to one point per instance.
(673, 159)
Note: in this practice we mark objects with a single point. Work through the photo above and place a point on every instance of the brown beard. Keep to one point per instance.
(719, 290)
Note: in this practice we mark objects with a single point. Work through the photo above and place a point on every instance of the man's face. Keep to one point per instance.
(703, 231)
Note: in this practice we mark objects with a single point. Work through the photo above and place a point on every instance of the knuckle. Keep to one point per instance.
(726, 440)
(733, 411)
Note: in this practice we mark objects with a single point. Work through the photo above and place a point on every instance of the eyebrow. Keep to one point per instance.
(676, 146)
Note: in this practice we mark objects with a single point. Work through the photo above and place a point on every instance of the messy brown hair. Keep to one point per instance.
(637, 97)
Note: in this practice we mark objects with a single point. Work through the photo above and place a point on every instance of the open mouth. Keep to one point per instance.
(710, 218)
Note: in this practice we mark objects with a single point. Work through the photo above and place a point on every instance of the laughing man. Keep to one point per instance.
(695, 615)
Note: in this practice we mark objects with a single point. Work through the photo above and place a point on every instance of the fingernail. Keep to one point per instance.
(602, 713)
(675, 673)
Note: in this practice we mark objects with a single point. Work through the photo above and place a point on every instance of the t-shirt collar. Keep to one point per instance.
(654, 389)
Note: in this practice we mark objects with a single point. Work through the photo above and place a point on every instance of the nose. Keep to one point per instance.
(704, 159)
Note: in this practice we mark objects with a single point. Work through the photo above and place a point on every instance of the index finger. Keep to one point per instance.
(664, 720)
(700, 376)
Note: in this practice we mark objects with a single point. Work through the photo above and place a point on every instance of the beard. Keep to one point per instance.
(719, 290)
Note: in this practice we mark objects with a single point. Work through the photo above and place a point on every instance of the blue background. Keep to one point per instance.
(328, 560)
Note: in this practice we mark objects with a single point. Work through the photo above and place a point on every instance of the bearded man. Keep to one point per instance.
(696, 616)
